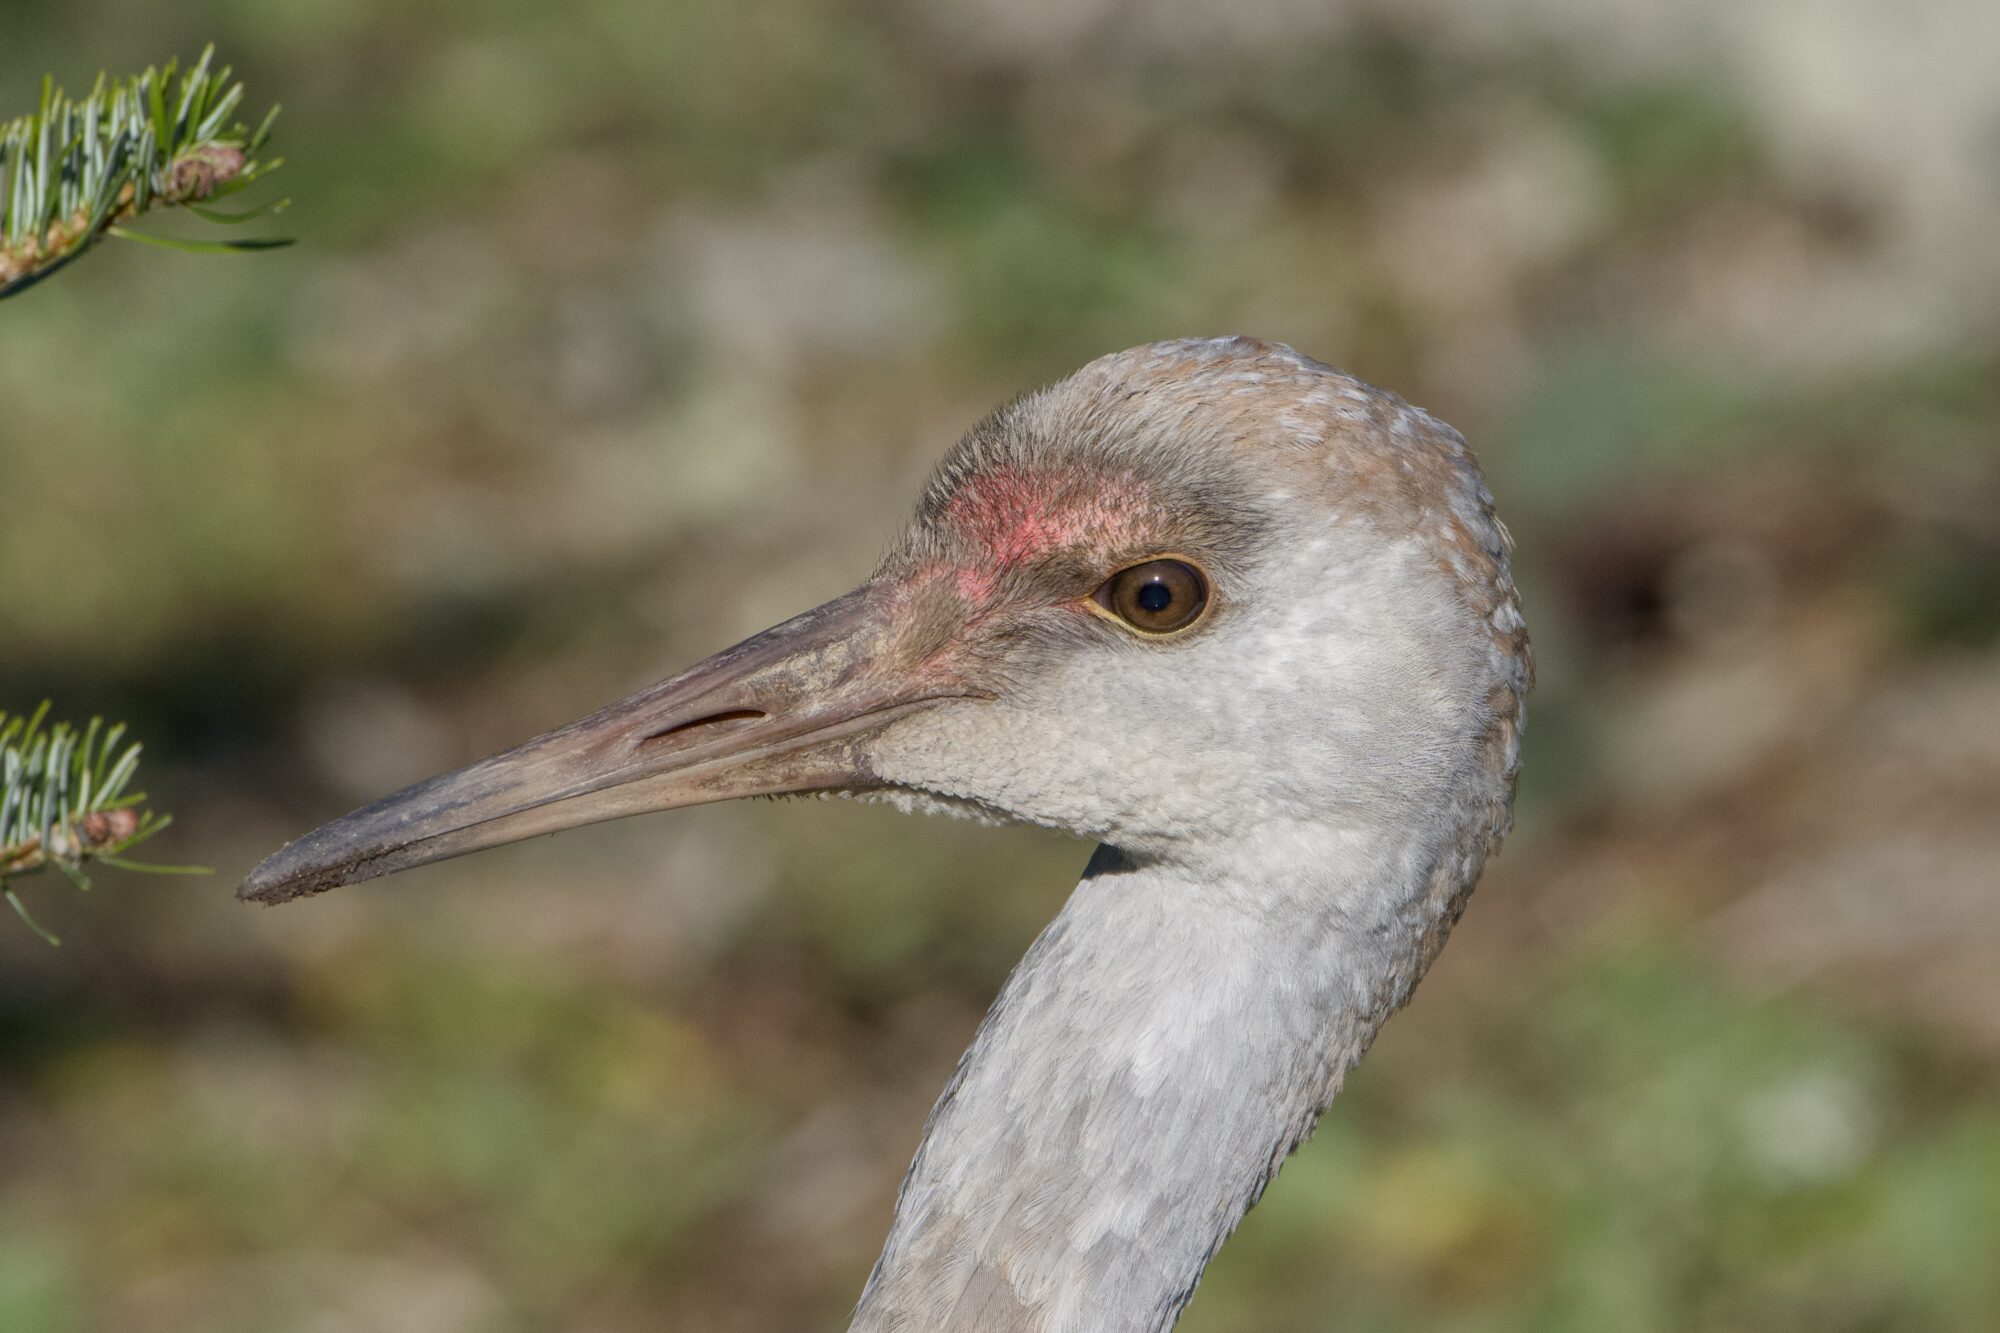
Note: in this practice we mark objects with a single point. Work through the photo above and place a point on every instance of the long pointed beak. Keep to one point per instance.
(786, 711)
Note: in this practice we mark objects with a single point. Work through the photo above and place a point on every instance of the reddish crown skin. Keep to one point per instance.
(1012, 516)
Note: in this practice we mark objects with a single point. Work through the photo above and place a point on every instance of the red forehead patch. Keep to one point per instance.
(1009, 516)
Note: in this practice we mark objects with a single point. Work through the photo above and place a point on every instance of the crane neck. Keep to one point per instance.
(1164, 1045)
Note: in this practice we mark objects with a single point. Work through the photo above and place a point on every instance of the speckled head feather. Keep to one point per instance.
(1172, 446)
(1218, 448)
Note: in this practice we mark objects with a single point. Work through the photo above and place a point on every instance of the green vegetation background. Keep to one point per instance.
(622, 328)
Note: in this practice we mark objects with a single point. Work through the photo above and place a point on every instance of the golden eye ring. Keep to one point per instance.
(1163, 596)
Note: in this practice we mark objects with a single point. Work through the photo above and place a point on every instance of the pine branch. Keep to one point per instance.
(72, 173)
(65, 800)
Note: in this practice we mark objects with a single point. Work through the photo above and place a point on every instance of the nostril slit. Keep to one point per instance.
(724, 721)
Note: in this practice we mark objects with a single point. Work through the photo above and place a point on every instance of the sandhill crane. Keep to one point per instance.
(1242, 619)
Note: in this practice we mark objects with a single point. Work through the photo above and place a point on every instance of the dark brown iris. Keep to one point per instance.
(1157, 597)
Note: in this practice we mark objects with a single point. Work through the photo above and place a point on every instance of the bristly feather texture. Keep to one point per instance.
(1294, 806)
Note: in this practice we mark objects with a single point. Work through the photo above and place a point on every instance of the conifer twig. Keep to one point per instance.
(72, 173)
(65, 800)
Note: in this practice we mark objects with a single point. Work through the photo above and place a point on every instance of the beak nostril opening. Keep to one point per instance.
(718, 723)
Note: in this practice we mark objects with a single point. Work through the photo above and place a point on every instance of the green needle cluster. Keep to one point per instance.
(74, 172)
(65, 800)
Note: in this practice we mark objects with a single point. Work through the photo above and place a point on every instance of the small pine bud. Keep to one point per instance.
(102, 828)
(196, 175)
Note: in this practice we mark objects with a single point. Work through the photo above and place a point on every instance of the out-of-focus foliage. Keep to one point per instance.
(627, 328)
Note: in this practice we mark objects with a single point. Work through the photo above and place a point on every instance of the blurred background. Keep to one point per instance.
(621, 329)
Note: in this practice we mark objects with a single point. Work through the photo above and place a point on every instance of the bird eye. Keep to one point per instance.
(1157, 597)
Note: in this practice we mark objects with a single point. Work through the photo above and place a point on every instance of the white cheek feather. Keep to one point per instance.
(1327, 690)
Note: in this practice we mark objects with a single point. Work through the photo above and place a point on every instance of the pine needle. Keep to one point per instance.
(74, 172)
(66, 800)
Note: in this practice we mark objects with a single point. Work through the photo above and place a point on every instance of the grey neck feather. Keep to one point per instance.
(1164, 1045)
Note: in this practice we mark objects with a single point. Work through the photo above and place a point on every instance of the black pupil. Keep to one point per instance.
(1156, 597)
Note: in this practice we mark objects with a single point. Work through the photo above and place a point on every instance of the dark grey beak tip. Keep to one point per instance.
(304, 867)
(272, 882)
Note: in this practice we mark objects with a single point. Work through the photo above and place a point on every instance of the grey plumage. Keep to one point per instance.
(1293, 796)
(1299, 800)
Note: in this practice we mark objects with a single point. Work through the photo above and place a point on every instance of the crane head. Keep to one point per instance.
(1194, 592)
